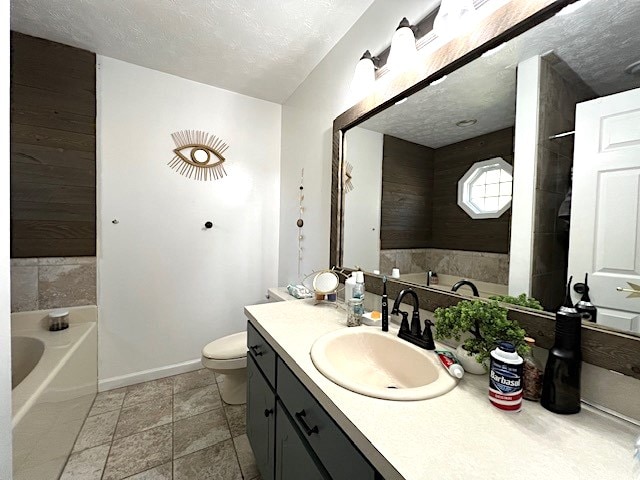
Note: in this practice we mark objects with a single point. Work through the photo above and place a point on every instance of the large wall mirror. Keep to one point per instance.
(515, 171)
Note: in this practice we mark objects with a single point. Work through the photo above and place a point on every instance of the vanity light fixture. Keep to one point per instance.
(403, 52)
(453, 17)
(466, 123)
(364, 75)
(569, 9)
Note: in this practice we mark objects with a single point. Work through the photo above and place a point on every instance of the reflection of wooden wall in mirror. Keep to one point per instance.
(453, 229)
(407, 191)
(420, 198)
(558, 97)
(610, 349)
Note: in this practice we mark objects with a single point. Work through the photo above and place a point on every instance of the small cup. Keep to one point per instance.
(395, 273)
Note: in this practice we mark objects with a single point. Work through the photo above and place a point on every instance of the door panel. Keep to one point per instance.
(605, 206)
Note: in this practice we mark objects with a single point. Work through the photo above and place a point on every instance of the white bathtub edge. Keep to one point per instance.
(147, 375)
(26, 402)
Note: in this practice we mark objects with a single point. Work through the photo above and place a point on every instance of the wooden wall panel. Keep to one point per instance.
(420, 195)
(452, 228)
(407, 186)
(53, 149)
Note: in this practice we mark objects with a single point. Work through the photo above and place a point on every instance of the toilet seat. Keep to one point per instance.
(227, 348)
(220, 365)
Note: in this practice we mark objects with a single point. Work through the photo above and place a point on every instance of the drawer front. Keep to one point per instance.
(262, 353)
(339, 456)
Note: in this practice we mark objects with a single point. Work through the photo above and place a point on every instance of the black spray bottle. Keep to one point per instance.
(561, 384)
(385, 306)
(584, 307)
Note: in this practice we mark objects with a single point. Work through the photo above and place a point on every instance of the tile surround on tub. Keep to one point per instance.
(483, 266)
(52, 282)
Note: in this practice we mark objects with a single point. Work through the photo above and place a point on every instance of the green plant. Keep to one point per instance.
(486, 320)
(521, 300)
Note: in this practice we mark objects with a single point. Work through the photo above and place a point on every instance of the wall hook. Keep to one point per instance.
(208, 225)
(115, 221)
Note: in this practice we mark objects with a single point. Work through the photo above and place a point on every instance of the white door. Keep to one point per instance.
(605, 206)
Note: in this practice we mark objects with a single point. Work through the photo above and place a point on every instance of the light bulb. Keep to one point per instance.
(403, 53)
(364, 76)
(453, 17)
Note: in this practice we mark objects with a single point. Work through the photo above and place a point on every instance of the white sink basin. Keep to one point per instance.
(378, 364)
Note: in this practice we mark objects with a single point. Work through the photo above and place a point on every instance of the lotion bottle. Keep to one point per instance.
(349, 283)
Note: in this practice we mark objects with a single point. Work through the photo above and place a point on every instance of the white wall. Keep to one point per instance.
(307, 118)
(363, 150)
(5, 301)
(166, 285)
(525, 160)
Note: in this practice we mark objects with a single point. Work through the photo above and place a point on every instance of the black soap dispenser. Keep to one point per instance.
(584, 307)
(561, 384)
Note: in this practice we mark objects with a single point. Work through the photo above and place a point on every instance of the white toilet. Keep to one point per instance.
(228, 356)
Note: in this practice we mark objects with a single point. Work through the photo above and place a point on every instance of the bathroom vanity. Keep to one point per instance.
(302, 425)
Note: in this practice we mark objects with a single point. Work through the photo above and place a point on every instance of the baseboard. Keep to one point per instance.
(147, 375)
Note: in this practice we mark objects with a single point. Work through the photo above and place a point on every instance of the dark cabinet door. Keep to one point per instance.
(261, 405)
(294, 461)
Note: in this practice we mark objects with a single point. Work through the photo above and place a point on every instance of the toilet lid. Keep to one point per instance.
(225, 348)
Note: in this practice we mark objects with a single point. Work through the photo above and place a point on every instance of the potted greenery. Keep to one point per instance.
(484, 323)
(521, 300)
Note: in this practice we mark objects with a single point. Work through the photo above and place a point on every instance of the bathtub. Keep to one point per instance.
(54, 381)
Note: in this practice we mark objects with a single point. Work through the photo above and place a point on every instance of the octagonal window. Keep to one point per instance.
(485, 191)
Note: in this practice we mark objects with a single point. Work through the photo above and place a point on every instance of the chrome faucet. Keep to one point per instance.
(413, 334)
(462, 283)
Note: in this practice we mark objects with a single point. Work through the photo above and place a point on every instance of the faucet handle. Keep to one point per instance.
(427, 335)
(404, 325)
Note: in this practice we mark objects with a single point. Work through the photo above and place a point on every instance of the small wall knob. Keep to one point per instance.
(208, 225)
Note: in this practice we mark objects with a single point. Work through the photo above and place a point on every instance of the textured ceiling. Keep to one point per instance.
(260, 48)
(597, 42)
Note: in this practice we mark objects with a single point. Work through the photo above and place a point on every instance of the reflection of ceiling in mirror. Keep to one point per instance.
(597, 42)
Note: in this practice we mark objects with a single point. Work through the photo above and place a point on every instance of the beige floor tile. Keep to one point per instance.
(144, 416)
(217, 462)
(139, 452)
(108, 401)
(237, 418)
(147, 391)
(162, 472)
(87, 464)
(195, 401)
(97, 430)
(196, 379)
(245, 457)
(199, 431)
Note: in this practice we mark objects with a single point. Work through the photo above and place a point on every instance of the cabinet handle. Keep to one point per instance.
(268, 411)
(309, 431)
(255, 350)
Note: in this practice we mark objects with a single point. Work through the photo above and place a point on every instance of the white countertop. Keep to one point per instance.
(459, 435)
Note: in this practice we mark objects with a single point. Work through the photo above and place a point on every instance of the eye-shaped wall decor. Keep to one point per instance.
(347, 177)
(198, 155)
